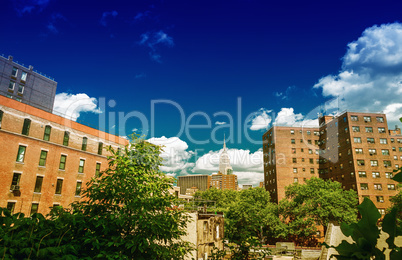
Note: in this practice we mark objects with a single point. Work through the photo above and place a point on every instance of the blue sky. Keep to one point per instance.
(192, 59)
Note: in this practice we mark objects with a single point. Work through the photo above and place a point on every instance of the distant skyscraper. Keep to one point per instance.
(224, 179)
(224, 161)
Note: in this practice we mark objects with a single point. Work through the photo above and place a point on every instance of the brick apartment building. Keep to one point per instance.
(45, 159)
(355, 149)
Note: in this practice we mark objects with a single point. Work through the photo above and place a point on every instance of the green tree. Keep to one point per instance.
(249, 221)
(222, 198)
(129, 210)
(317, 201)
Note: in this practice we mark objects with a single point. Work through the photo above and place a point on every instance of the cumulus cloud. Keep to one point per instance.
(153, 41)
(175, 155)
(370, 79)
(71, 105)
(287, 117)
(241, 160)
(260, 120)
(105, 16)
(28, 6)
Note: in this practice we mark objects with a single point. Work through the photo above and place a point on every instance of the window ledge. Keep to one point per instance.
(19, 162)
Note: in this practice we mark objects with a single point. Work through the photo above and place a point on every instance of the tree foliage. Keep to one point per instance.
(222, 198)
(365, 233)
(317, 201)
(126, 213)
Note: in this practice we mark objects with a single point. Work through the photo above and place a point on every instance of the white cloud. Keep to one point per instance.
(153, 41)
(287, 117)
(27, 6)
(241, 160)
(105, 15)
(371, 76)
(220, 123)
(51, 26)
(260, 120)
(71, 105)
(175, 155)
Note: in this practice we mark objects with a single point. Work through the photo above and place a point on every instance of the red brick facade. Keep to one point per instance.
(43, 154)
(355, 149)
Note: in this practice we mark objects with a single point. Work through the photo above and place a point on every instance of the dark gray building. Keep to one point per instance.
(25, 85)
(201, 182)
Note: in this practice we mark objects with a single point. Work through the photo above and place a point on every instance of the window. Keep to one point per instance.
(42, 159)
(11, 85)
(310, 151)
(302, 159)
(391, 186)
(294, 170)
(293, 150)
(344, 119)
(389, 175)
(387, 164)
(377, 186)
(38, 184)
(354, 118)
(66, 138)
(295, 180)
(385, 152)
(380, 119)
(1, 117)
(383, 141)
(21, 153)
(34, 208)
(11, 206)
(346, 129)
(84, 143)
(370, 140)
(380, 199)
(59, 186)
(400, 149)
(360, 162)
(392, 140)
(382, 211)
(294, 160)
(292, 132)
(26, 126)
(100, 148)
(381, 130)
(374, 163)
(98, 166)
(359, 151)
(81, 166)
(363, 186)
(312, 170)
(372, 151)
(14, 72)
(20, 89)
(308, 132)
(362, 175)
(369, 129)
(78, 188)
(292, 141)
(356, 129)
(16, 180)
(395, 157)
(311, 160)
(62, 164)
(46, 135)
(367, 119)
(24, 76)
(376, 175)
